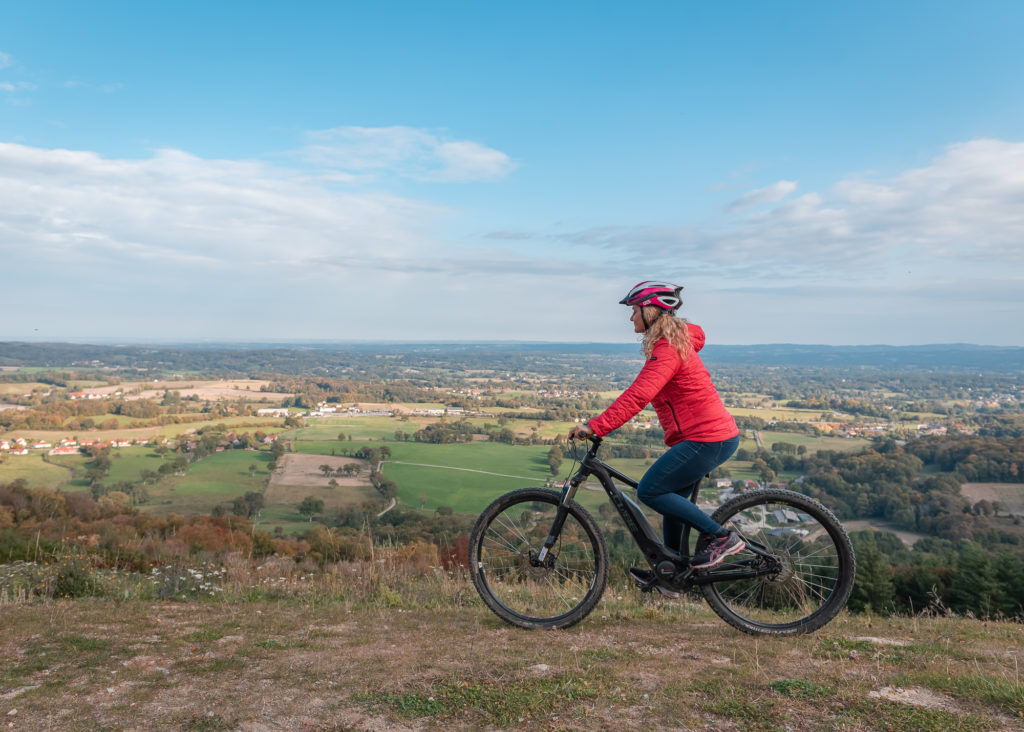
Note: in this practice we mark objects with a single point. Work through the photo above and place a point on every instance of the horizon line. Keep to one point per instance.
(110, 341)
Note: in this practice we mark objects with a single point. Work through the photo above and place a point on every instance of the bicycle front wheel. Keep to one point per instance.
(504, 546)
(805, 553)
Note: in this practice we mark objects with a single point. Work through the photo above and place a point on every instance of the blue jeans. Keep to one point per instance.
(663, 485)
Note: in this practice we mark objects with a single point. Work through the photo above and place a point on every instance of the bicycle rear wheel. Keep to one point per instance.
(559, 591)
(810, 558)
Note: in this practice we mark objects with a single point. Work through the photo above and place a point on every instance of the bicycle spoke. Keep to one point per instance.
(811, 570)
(522, 592)
(512, 548)
(755, 585)
(558, 595)
(513, 527)
(798, 598)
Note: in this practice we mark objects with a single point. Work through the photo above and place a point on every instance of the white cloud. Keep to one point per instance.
(466, 161)
(5, 60)
(406, 152)
(179, 208)
(10, 87)
(769, 194)
(965, 209)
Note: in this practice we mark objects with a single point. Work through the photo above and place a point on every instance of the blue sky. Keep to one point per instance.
(810, 172)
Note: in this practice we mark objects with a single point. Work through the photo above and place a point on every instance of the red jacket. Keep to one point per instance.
(686, 401)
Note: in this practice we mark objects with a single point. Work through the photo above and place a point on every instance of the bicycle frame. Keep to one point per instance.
(679, 572)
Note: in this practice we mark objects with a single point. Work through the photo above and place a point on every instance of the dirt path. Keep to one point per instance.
(468, 470)
(909, 538)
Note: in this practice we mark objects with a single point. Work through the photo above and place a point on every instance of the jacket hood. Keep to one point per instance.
(696, 336)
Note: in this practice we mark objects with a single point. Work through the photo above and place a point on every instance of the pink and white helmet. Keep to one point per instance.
(663, 295)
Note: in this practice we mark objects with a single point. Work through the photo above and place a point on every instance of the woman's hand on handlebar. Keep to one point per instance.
(581, 432)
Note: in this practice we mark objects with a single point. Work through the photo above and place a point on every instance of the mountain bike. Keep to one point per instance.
(539, 560)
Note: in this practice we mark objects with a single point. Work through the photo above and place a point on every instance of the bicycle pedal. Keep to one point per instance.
(645, 586)
(662, 590)
(644, 581)
(665, 591)
(653, 584)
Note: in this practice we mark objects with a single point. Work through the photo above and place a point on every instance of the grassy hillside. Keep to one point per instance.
(379, 645)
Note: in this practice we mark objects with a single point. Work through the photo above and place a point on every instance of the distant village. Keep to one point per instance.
(20, 446)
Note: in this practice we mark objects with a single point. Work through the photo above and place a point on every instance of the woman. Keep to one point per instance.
(700, 433)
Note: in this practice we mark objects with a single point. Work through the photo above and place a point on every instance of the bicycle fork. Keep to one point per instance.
(553, 534)
(568, 493)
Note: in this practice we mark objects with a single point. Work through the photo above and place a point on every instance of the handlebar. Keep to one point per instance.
(595, 443)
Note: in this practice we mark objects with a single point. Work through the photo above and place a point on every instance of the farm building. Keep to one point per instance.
(784, 516)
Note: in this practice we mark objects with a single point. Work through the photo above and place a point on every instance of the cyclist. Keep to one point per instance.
(700, 433)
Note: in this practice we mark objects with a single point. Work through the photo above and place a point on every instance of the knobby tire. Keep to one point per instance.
(809, 546)
(560, 592)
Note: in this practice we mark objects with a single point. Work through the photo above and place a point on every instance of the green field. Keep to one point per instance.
(782, 414)
(220, 477)
(32, 469)
(546, 430)
(326, 447)
(469, 492)
(122, 421)
(464, 491)
(840, 444)
(126, 466)
(374, 428)
(127, 463)
(74, 471)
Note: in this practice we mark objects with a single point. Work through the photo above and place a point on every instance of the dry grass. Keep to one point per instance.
(1010, 495)
(395, 643)
(248, 389)
(299, 469)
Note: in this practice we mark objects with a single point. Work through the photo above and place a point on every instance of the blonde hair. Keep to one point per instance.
(668, 326)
